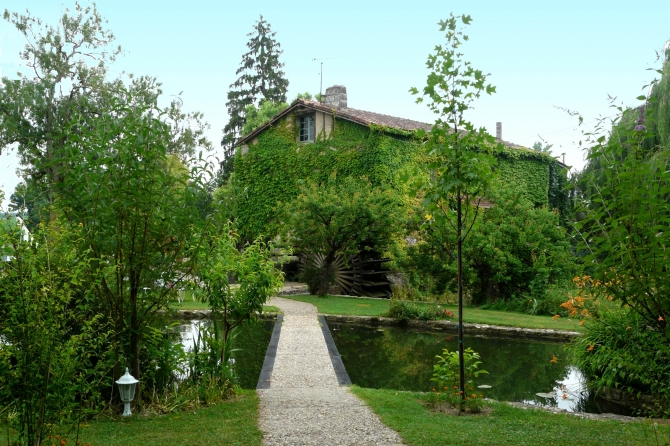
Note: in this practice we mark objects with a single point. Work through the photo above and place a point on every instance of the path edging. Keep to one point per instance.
(340, 371)
(264, 379)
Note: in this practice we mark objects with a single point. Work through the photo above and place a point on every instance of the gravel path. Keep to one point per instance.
(305, 405)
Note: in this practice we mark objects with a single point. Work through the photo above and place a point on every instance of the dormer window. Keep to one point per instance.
(307, 128)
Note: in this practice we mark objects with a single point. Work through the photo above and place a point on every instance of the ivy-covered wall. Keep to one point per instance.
(272, 169)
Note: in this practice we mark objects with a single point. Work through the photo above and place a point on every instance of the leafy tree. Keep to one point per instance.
(34, 112)
(137, 205)
(518, 249)
(256, 117)
(219, 260)
(53, 345)
(515, 250)
(70, 63)
(342, 217)
(544, 148)
(261, 78)
(461, 171)
(623, 205)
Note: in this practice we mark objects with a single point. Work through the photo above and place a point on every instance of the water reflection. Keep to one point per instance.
(251, 343)
(402, 359)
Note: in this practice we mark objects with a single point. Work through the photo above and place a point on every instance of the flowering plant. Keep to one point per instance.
(446, 377)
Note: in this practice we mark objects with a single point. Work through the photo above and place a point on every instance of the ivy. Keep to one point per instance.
(276, 165)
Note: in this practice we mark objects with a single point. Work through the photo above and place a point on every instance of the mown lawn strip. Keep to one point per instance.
(359, 306)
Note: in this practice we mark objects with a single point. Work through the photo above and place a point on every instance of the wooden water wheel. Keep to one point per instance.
(364, 275)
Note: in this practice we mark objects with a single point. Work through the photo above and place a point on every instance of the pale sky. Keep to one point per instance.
(541, 55)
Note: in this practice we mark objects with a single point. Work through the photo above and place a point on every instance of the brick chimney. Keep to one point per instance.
(499, 130)
(336, 97)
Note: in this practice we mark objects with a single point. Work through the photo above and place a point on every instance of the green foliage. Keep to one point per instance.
(69, 62)
(274, 169)
(256, 117)
(342, 217)
(620, 350)
(625, 219)
(517, 254)
(539, 147)
(136, 205)
(260, 78)
(460, 168)
(404, 311)
(53, 360)
(446, 377)
(518, 249)
(219, 260)
(30, 203)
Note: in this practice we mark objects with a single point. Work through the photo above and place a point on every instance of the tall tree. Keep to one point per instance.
(68, 62)
(461, 169)
(261, 78)
(136, 205)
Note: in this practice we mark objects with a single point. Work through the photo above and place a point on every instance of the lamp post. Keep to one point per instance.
(127, 384)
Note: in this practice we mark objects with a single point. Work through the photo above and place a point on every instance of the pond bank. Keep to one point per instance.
(484, 330)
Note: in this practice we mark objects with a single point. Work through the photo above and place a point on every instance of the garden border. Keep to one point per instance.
(479, 330)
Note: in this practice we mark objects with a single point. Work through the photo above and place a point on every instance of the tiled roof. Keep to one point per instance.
(367, 118)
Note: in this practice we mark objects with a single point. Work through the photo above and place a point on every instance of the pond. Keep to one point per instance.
(251, 342)
(402, 359)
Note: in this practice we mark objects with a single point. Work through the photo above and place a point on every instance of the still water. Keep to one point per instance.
(251, 343)
(402, 359)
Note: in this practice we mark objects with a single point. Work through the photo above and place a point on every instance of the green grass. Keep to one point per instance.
(505, 425)
(355, 306)
(233, 422)
(190, 304)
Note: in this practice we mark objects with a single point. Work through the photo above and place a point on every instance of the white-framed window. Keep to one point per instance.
(307, 131)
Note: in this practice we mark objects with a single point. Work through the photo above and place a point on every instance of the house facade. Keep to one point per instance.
(310, 140)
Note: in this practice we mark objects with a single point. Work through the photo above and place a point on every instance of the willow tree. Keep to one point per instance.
(461, 167)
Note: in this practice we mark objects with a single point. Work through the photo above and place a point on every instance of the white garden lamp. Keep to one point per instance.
(127, 385)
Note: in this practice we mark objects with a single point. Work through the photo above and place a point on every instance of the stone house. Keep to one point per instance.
(310, 139)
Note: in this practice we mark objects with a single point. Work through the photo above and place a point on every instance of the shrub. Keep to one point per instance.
(619, 349)
(447, 380)
(404, 311)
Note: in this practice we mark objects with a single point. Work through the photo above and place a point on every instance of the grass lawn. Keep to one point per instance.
(377, 307)
(190, 304)
(234, 422)
(505, 425)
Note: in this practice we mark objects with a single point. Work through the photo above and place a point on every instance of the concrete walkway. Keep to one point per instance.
(304, 404)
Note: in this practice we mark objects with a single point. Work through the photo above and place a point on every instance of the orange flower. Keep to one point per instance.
(555, 317)
(554, 359)
(590, 347)
(582, 322)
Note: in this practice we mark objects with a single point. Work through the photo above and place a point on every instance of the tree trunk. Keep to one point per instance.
(325, 273)
(134, 337)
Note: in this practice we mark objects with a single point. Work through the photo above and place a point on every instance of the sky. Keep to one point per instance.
(543, 57)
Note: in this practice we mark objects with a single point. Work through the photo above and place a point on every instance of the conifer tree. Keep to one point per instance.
(261, 78)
